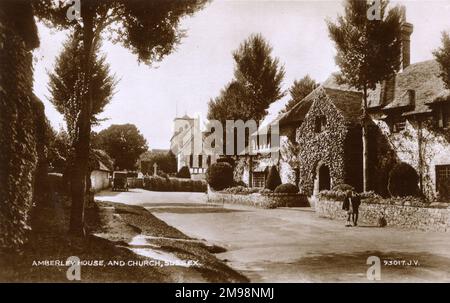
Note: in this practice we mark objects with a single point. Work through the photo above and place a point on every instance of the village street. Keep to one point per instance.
(293, 244)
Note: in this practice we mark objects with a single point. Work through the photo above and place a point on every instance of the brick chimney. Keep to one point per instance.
(406, 31)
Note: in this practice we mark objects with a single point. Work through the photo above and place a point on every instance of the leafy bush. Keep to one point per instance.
(273, 179)
(286, 188)
(226, 160)
(370, 197)
(240, 183)
(403, 181)
(336, 195)
(343, 187)
(241, 190)
(184, 173)
(220, 175)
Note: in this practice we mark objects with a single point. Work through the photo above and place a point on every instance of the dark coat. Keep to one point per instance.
(356, 201)
(346, 203)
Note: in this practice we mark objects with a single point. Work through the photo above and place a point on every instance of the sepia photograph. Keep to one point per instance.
(239, 142)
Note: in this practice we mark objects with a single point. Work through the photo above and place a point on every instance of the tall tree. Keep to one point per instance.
(65, 83)
(299, 90)
(442, 56)
(368, 51)
(256, 84)
(123, 143)
(149, 29)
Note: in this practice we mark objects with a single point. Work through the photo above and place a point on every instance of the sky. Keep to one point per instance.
(184, 82)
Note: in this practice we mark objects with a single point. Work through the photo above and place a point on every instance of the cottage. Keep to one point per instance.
(321, 136)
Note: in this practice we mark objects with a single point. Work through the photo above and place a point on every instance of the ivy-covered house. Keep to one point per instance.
(321, 136)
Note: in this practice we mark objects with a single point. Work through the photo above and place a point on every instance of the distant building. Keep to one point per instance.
(182, 145)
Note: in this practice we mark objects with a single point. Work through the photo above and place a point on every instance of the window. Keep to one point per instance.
(398, 125)
(191, 160)
(259, 180)
(443, 180)
(208, 161)
(320, 123)
(200, 161)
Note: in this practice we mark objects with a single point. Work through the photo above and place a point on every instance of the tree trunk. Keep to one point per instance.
(365, 141)
(83, 129)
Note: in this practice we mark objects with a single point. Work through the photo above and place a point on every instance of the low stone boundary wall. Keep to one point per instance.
(269, 200)
(435, 218)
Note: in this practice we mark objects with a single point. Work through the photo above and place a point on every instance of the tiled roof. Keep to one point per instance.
(347, 101)
(422, 78)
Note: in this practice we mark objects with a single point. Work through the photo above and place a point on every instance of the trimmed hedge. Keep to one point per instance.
(156, 183)
(286, 188)
(220, 175)
(403, 181)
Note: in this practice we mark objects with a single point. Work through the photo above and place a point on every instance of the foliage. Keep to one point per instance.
(286, 188)
(325, 148)
(166, 162)
(241, 190)
(220, 175)
(65, 83)
(273, 178)
(149, 29)
(123, 143)
(343, 187)
(157, 183)
(299, 90)
(21, 120)
(184, 173)
(256, 84)
(368, 51)
(59, 150)
(403, 180)
(442, 56)
(335, 195)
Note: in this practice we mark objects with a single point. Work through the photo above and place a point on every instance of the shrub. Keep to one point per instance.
(403, 180)
(286, 188)
(220, 175)
(184, 173)
(240, 183)
(226, 160)
(336, 195)
(241, 190)
(273, 179)
(343, 187)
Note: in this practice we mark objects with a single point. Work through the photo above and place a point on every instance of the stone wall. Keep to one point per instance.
(411, 217)
(270, 200)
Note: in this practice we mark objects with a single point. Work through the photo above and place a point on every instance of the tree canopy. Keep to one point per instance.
(65, 82)
(368, 51)
(299, 90)
(442, 56)
(256, 84)
(123, 143)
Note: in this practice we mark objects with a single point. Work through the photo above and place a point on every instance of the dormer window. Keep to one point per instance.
(320, 123)
(398, 125)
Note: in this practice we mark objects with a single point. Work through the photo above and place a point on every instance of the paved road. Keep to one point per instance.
(293, 244)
